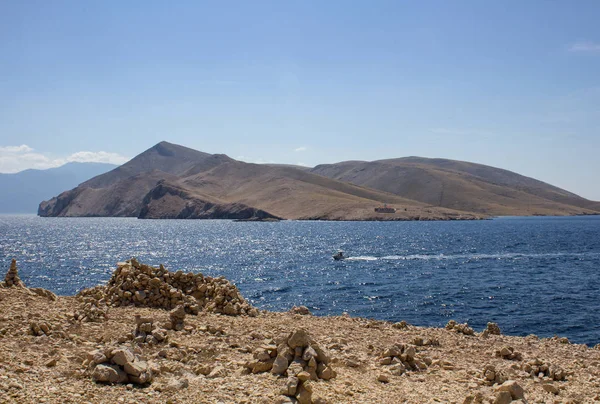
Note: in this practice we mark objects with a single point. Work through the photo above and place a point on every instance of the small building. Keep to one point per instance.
(385, 209)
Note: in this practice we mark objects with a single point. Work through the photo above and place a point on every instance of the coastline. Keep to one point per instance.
(47, 340)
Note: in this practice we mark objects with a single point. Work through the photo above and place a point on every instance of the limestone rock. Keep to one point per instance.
(550, 388)
(301, 310)
(493, 329)
(513, 388)
(109, 374)
(503, 397)
(177, 316)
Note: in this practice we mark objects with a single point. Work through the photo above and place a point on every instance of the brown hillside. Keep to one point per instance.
(170, 181)
(460, 185)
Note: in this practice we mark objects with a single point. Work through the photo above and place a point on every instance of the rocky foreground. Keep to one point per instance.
(155, 336)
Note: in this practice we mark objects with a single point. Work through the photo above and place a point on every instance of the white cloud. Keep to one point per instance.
(301, 149)
(585, 47)
(97, 157)
(18, 158)
(15, 149)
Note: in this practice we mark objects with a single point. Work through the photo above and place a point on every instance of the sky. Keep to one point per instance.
(511, 84)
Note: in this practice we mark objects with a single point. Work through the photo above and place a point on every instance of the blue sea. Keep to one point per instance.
(538, 275)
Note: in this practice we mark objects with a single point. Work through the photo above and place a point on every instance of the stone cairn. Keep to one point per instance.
(491, 329)
(400, 358)
(12, 276)
(509, 353)
(459, 328)
(538, 368)
(298, 357)
(147, 332)
(117, 365)
(135, 284)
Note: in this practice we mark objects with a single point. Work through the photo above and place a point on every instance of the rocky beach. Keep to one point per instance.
(151, 335)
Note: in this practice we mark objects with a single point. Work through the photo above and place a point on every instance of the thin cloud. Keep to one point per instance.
(97, 157)
(15, 149)
(18, 158)
(301, 149)
(589, 47)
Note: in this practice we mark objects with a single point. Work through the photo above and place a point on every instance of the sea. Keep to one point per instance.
(533, 275)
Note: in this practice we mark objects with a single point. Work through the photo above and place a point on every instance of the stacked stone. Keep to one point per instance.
(400, 358)
(118, 365)
(141, 285)
(147, 332)
(298, 357)
(12, 276)
(91, 310)
(508, 352)
(493, 376)
(459, 328)
(177, 316)
(537, 368)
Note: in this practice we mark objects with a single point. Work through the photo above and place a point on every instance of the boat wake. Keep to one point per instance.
(502, 256)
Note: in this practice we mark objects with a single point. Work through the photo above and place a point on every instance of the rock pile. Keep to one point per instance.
(400, 358)
(141, 285)
(91, 310)
(459, 328)
(12, 276)
(147, 332)
(297, 356)
(537, 368)
(508, 352)
(117, 365)
(493, 376)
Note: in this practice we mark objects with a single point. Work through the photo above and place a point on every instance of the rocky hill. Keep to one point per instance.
(171, 181)
(460, 185)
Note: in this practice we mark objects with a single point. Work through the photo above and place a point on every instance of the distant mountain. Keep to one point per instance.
(172, 181)
(460, 185)
(23, 191)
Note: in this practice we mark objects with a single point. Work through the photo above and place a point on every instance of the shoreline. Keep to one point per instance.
(202, 342)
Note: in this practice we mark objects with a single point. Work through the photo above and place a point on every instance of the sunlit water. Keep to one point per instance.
(530, 275)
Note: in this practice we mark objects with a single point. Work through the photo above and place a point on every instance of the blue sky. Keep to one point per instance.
(511, 84)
